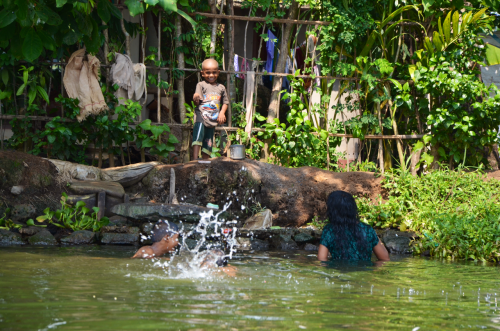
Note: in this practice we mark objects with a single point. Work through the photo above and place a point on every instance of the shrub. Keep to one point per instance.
(456, 213)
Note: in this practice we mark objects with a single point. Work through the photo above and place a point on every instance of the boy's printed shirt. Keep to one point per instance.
(214, 96)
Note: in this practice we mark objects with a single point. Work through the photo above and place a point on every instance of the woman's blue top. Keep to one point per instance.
(328, 239)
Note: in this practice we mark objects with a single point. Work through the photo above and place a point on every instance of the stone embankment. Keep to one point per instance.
(287, 199)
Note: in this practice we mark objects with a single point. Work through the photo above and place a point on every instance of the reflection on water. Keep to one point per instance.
(100, 288)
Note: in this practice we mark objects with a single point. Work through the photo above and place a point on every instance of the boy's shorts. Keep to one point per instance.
(204, 137)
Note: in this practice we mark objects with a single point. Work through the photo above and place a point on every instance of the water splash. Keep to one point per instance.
(203, 259)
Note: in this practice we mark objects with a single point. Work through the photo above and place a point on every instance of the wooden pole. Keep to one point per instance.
(180, 87)
(380, 143)
(230, 78)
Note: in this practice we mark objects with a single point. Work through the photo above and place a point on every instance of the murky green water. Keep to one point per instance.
(99, 288)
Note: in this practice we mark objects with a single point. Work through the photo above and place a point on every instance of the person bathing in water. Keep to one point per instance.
(166, 239)
(346, 237)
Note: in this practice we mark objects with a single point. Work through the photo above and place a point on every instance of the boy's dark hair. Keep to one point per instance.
(163, 228)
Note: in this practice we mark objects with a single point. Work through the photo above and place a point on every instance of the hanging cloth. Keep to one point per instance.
(140, 87)
(270, 51)
(122, 74)
(236, 66)
(299, 57)
(250, 88)
(81, 81)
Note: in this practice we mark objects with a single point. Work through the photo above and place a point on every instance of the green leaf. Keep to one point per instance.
(49, 16)
(42, 218)
(51, 138)
(80, 204)
(151, 2)
(43, 94)
(184, 3)
(427, 139)
(22, 9)
(70, 38)
(146, 124)
(436, 39)
(135, 7)
(447, 28)
(418, 146)
(455, 22)
(156, 130)
(5, 94)
(60, 3)
(113, 10)
(148, 143)
(6, 17)
(169, 5)
(31, 95)
(173, 139)
(427, 4)
(187, 17)
(103, 10)
(47, 40)
(492, 55)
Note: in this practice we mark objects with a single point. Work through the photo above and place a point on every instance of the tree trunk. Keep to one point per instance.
(213, 8)
(273, 109)
(380, 142)
(230, 78)
(127, 37)
(180, 87)
(399, 144)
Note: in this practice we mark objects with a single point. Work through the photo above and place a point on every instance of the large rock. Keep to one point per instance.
(82, 237)
(120, 238)
(155, 211)
(259, 245)
(259, 221)
(44, 238)
(128, 175)
(31, 230)
(283, 242)
(88, 187)
(397, 242)
(23, 212)
(243, 244)
(294, 195)
(303, 237)
(311, 247)
(8, 238)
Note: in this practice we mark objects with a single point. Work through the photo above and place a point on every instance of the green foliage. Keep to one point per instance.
(60, 138)
(75, 218)
(454, 212)
(298, 143)
(461, 107)
(319, 224)
(6, 223)
(151, 139)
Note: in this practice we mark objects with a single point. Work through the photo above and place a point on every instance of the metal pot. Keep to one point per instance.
(237, 152)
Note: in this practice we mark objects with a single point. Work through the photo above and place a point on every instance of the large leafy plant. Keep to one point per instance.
(76, 218)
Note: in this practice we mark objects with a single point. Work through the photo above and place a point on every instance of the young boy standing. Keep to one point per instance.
(211, 100)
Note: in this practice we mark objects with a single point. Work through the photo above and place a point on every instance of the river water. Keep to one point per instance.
(100, 288)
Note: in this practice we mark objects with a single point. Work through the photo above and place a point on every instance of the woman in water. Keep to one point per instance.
(346, 237)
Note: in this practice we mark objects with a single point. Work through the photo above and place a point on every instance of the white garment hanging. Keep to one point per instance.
(250, 87)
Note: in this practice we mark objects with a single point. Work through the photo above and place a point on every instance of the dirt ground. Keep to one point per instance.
(36, 175)
(294, 195)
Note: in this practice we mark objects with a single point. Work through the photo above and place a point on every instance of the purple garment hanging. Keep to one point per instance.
(270, 51)
(236, 67)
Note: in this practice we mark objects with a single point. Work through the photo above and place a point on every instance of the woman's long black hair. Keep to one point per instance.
(343, 215)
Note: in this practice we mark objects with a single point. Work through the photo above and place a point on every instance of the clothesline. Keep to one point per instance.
(241, 72)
